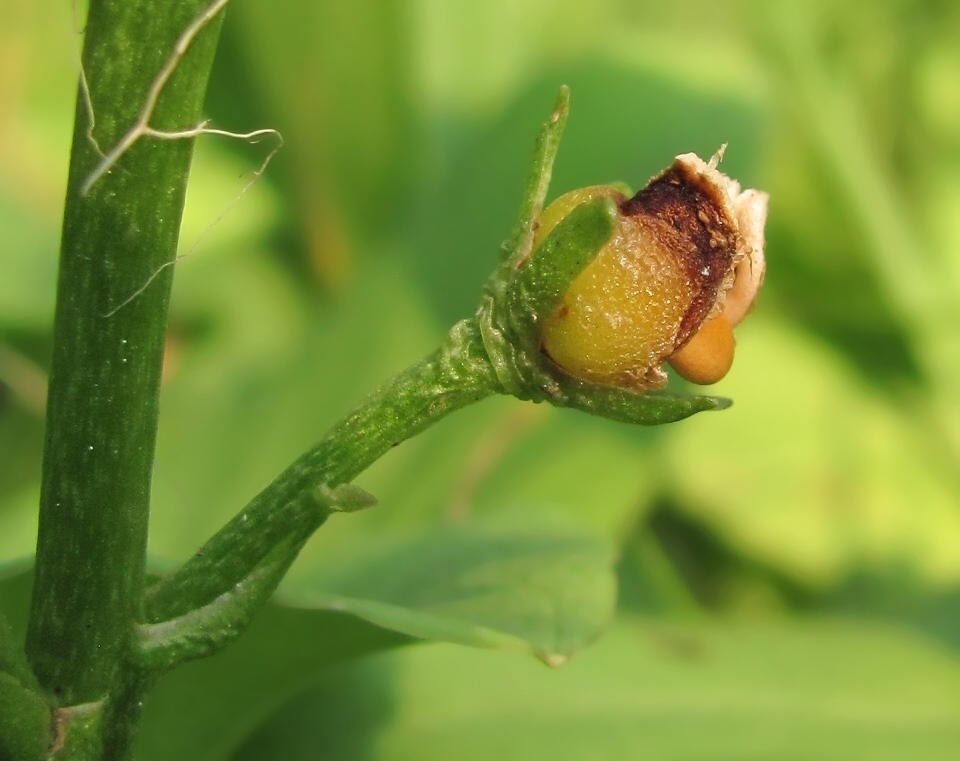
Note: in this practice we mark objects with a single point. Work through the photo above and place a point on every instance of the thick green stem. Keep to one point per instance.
(496, 352)
(108, 343)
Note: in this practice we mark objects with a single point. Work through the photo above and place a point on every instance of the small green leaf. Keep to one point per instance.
(551, 594)
(348, 498)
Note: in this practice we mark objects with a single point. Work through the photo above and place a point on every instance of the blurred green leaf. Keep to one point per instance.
(39, 51)
(357, 698)
(16, 581)
(595, 473)
(28, 260)
(25, 724)
(12, 660)
(625, 125)
(820, 272)
(892, 595)
(21, 444)
(337, 81)
(550, 593)
(675, 563)
(811, 471)
(203, 709)
(514, 40)
(18, 524)
(263, 381)
(222, 215)
(793, 691)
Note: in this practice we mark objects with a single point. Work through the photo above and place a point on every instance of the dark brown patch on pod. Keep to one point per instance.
(684, 212)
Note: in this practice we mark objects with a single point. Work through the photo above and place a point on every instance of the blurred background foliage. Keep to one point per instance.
(789, 569)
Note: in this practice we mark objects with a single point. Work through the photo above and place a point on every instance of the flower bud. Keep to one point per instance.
(680, 271)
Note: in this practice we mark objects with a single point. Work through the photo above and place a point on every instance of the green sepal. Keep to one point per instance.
(513, 310)
(539, 285)
(518, 248)
(626, 406)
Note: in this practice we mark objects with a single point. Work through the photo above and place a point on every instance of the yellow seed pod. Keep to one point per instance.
(657, 291)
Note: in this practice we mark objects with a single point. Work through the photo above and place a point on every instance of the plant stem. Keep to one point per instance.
(296, 503)
(498, 351)
(106, 365)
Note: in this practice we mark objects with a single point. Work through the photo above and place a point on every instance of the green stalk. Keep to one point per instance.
(301, 498)
(108, 344)
(496, 352)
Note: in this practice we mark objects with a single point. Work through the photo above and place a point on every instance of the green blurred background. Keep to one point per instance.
(789, 569)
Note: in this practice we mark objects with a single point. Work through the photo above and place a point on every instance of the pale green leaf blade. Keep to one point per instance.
(548, 593)
(819, 691)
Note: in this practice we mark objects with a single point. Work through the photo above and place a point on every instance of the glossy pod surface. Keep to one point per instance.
(681, 270)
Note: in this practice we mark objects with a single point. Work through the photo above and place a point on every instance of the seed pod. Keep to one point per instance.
(680, 271)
